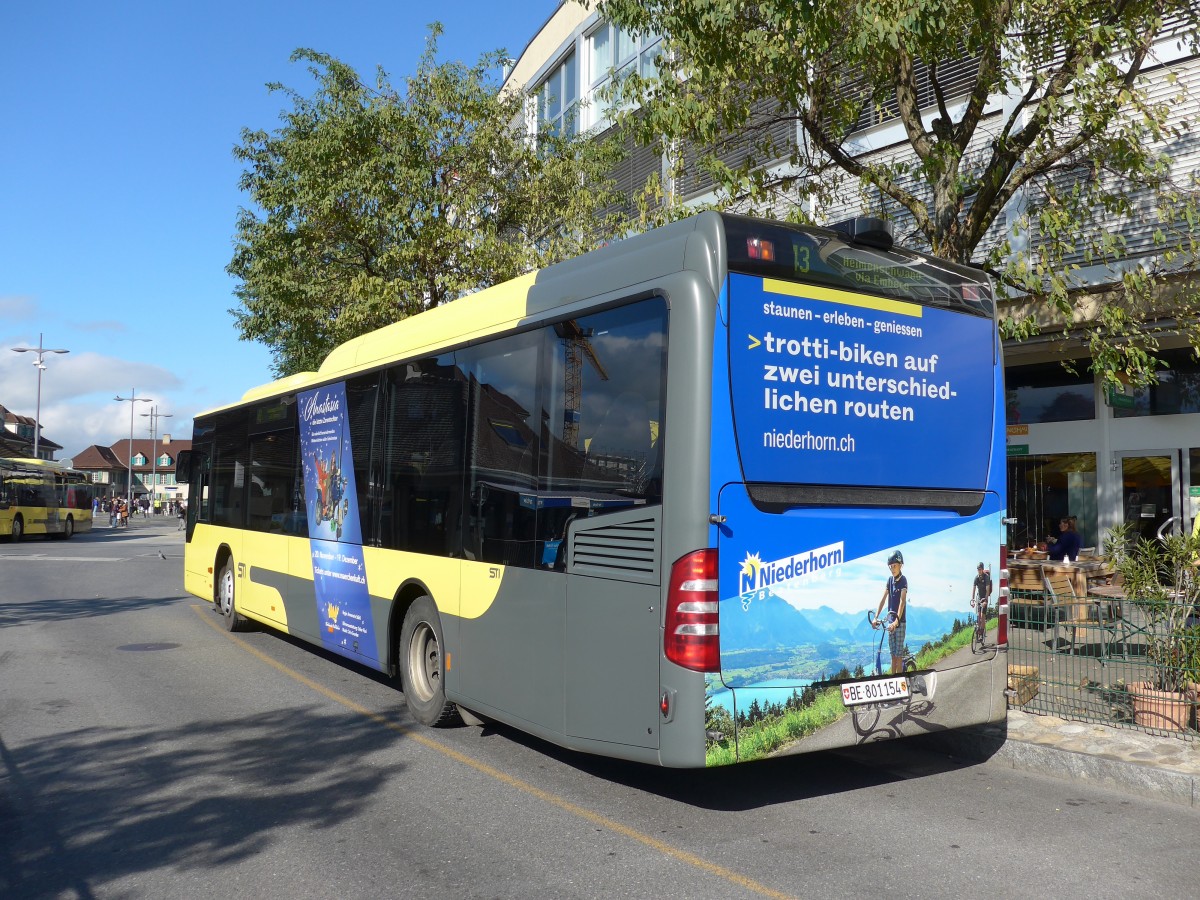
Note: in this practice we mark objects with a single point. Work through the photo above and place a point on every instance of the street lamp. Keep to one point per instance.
(154, 416)
(132, 399)
(37, 416)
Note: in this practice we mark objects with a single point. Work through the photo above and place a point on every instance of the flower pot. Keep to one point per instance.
(1164, 710)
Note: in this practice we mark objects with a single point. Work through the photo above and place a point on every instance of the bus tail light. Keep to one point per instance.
(1002, 599)
(692, 637)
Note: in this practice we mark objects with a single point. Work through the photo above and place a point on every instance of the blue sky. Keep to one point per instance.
(118, 186)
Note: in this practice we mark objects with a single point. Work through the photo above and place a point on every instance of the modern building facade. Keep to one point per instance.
(1105, 457)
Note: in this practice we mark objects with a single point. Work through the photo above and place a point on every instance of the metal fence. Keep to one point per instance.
(1091, 662)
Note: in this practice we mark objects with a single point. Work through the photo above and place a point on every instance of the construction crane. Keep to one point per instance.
(578, 345)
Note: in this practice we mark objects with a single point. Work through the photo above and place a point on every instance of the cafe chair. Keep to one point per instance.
(1066, 609)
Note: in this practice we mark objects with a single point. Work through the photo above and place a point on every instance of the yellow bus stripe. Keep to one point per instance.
(845, 298)
(424, 740)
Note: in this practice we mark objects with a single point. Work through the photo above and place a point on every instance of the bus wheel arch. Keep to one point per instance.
(421, 662)
(224, 591)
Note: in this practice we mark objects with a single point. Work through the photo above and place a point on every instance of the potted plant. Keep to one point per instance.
(1162, 577)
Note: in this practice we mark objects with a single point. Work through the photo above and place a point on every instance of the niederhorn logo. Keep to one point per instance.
(756, 574)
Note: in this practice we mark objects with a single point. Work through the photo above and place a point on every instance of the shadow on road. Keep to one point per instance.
(82, 809)
(762, 783)
(32, 612)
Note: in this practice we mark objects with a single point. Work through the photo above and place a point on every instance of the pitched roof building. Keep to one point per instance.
(16, 436)
(153, 467)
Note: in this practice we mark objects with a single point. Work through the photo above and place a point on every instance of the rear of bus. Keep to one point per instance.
(856, 470)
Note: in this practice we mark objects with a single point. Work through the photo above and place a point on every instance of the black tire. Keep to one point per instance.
(18, 529)
(423, 667)
(68, 529)
(226, 602)
(978, 632)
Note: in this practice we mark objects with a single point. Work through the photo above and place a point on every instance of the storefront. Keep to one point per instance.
(1129, 455)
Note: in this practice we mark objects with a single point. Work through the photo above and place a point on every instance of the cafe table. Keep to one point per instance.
(1026, 574)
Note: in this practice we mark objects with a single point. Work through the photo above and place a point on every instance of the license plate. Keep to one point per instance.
(875, 691)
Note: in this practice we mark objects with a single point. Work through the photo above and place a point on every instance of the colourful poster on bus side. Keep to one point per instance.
(335, 536)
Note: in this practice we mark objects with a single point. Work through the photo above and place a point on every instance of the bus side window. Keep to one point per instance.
(422, 473)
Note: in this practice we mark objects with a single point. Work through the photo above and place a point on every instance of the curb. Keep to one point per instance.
(992, 743)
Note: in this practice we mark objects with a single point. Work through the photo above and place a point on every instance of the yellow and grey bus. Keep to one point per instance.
(38, 496)
(637, 503)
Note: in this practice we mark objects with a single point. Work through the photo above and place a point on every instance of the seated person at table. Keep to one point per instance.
(1066, 548)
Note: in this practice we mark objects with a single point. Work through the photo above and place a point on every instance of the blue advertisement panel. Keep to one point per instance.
(851, 624)
(331, 502)
(825, 614)
(838, 388)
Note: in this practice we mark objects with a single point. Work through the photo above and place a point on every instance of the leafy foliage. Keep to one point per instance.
(1162, 577)
(1046, 141)
(371, 203)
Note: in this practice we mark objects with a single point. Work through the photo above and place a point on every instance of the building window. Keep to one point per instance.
(1048, 393)
(615, 52)
(1177, 391)
(140, 460)
(558, 98)
(1044, 489)
(165, 460)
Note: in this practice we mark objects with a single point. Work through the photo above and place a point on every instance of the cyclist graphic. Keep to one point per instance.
(981, 592)
(895, 597)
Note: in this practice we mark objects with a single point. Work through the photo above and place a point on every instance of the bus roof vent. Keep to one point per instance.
(866, 230)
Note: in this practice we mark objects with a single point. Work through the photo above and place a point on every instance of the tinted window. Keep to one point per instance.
(422, 449)
(361, 395)
(230, 459)
(276, 486)
(1177, 390)
(505, 421)
(816, 256)
(1048, 393)
(584, 438)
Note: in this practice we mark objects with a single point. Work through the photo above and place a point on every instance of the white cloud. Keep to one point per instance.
(77, 405)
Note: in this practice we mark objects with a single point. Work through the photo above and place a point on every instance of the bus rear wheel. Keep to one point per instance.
(226, 606)
(422, 666)
(68, 529)
(18, 528)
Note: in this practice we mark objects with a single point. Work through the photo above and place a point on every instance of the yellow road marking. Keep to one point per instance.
(566, 805)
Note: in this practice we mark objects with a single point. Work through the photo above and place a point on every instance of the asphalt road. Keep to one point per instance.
(145, 753)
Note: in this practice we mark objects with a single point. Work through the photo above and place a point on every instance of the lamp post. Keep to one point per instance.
(37, 416)
(132, 400)
(154, 415)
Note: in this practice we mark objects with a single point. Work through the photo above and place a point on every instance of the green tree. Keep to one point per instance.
(1048, 140)
(370, 204)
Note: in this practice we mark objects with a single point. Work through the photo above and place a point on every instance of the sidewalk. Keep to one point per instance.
(137, 523)
(1158, 767)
